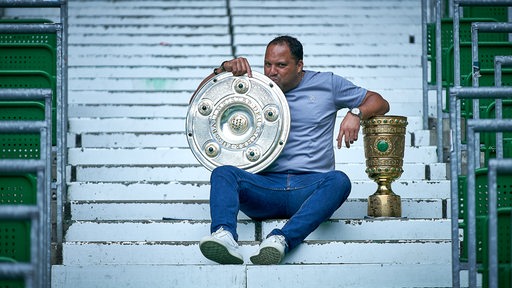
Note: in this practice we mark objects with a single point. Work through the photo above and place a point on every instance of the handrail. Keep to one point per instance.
(32, 3)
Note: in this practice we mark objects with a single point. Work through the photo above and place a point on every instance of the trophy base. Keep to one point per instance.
(388, 205)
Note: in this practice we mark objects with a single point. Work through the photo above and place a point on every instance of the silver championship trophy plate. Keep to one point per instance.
(238, 121)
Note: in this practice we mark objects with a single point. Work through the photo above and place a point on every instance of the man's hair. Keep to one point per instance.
(293, 44)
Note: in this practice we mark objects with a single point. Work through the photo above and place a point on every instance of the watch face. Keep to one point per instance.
(355, 111)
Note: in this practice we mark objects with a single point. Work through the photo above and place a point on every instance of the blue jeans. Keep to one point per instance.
(306, 199)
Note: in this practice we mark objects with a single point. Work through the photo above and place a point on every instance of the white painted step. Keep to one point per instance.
(353, 208)
(356, 48)
(310, 252)
(419, 138)
(356, 29)
(128, 97)
(166, 125)
(339, 230)
(128, 173)
(157, 71)
(254, 276)
(162, 49)
(184, 4)
(184, 156)
(164, 84)
(340, 19)
(200, 20)
(152, 102)
(174, 191)
(75, 39)
(142, 29)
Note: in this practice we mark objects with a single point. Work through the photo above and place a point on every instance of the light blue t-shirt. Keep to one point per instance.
(313, 107)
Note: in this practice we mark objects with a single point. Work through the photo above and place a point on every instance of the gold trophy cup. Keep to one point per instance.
(384, 142)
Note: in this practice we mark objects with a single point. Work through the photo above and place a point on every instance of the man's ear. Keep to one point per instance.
(300, 65)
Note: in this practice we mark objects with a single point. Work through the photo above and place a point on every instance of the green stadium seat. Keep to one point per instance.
(447, 40)
(499, 13)
(30, 61)
(504, 249)
(481, 193)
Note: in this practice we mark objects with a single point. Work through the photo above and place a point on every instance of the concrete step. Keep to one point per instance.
(145, 29)
(339, 230)
(222, 39)
(340, 19)
(353, 208)
(214, 60)
(166, 125)
(96, 97)
(154, 60)
(184, 156)
(160, 71)
(348, 49)
(418, 138)
(355, 29)
(254, 276)
(178, 20)
(184, 4)
(197, 173)
(341, 37)
(310, 252)
(161, 49)
(221, 28)
(176, 191)
(311, 49)
(407, 102)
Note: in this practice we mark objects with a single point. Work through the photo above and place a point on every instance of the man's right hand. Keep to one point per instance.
(238, 66)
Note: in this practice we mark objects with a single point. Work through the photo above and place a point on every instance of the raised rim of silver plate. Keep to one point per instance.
(238, 120)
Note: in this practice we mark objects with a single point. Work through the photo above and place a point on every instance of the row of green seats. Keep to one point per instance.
(27, 60)
(504, 188)
(490, 45)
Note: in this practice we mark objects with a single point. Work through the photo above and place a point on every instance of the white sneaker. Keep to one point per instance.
(271, 251)
(221, 248)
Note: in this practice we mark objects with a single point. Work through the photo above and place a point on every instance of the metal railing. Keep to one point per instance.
(59, 185)
(473, 142)
(37, 272)
(474, 126)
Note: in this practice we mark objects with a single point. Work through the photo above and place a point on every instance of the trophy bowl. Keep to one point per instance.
(384, 143)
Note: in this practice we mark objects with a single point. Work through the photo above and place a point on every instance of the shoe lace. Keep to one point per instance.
(219, 231)
(279, 239)
(226, 236)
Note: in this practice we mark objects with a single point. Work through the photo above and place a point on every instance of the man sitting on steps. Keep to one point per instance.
(301, 184)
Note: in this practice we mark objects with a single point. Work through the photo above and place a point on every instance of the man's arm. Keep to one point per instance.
(373, 105)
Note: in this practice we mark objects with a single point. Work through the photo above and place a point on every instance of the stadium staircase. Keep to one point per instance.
(137, 199)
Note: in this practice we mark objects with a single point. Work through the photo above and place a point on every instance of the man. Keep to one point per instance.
(301, 184)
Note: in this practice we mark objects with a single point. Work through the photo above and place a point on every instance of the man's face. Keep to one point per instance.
(282, 68)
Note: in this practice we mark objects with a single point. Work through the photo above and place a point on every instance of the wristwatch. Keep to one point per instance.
(356, 112)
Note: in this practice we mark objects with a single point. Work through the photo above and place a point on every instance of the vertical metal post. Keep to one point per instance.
(439, 84)
(424, 62)
(495, 165)
(475, 82)
(499, 62)
(493, 225)
(454, 200)
(456, 84)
